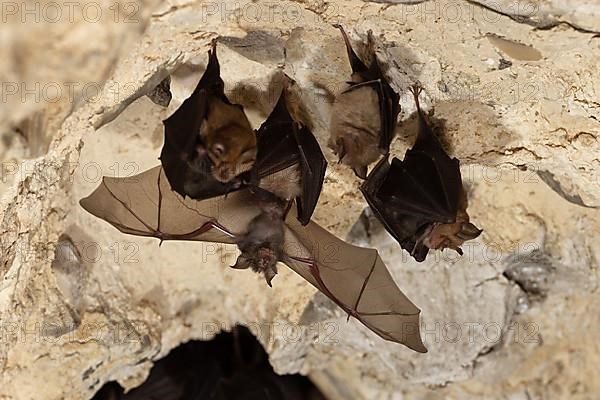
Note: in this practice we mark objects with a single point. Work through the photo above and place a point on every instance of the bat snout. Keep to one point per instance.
(224, 172)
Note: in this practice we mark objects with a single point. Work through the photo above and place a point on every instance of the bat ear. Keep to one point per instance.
(241, 263)
(270, 274)
(360, 171)
(340, 149)
(469, 231)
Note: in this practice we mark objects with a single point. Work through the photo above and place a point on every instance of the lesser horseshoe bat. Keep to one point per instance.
(284, 156)
(208, 140)
(355, 278)
(421, 200)
(364, 115)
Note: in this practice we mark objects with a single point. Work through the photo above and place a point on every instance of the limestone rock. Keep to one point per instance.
(82, 304)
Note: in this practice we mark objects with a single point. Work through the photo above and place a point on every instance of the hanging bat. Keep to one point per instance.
(289, 163)
(364, 115)
(208, 141)
(421, 200)
(355, 278)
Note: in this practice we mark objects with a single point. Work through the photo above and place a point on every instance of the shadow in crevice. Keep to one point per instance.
(232, 366)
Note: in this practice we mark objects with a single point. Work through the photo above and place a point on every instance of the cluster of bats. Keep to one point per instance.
(221, 181)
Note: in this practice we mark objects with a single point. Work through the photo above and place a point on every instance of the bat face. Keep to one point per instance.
(453, 235)
(261, 245)
(228, 140)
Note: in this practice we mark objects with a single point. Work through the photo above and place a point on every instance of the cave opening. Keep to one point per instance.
(231, 366)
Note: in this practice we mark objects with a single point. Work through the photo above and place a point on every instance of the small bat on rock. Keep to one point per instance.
(421, 200)
(364, 115)
(355, 278)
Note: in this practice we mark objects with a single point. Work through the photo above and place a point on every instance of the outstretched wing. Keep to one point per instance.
(145, 205)
(356, 279)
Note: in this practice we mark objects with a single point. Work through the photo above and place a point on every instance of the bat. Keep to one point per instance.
(208, 140)
(421, 200)
(289, 162)
(364, 115)
(355, 278)
(262, 244)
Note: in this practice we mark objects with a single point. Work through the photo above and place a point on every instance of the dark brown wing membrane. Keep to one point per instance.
(182, 138)
(283, 142)
(312, 168)
(356, 279)
(410, 196)
(277, 147)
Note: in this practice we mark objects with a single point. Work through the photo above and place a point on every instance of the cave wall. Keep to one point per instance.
(515, 317)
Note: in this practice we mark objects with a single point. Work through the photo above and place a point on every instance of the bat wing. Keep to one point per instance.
(409, 196)
(283, 142)
(356, 279)
(356, 63)
(182, 136)
(389, 102)
(145, 205)
(277, 147)
(312, 166)
(401, 225)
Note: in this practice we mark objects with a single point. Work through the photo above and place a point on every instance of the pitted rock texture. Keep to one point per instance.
(82, 304)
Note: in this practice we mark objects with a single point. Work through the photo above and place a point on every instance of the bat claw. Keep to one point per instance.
(340, 149)
(416, 90)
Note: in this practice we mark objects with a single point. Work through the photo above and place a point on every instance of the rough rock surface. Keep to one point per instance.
(515, 318)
